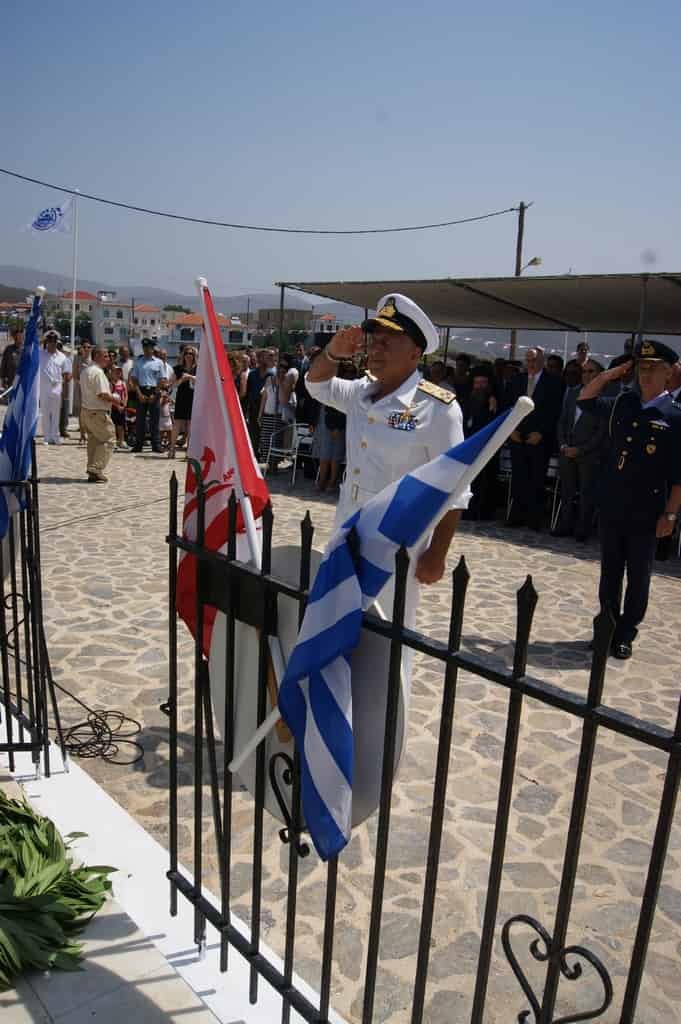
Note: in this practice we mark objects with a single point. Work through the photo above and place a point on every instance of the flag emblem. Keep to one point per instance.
(47, 219)
(54, 218)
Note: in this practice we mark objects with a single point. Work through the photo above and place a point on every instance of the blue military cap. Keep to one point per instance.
(656, 351)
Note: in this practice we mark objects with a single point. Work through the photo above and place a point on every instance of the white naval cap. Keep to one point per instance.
(398, 313)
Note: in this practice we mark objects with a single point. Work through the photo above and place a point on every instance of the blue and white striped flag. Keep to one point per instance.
(315, 697)
(21, 421)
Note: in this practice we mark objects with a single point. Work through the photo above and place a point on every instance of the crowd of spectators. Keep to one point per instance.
(556, 449)
(153, 403)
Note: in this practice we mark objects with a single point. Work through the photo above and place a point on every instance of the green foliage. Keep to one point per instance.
(177, 309)
(44, 900)
(62, 322)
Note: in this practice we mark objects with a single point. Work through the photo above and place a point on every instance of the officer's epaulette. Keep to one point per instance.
(435, 391)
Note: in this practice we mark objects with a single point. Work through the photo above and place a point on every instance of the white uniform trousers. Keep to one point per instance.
(50, 408)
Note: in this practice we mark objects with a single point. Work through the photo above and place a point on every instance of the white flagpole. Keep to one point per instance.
(244, 499)
(520, 410)
(75, 275)
(73, 296)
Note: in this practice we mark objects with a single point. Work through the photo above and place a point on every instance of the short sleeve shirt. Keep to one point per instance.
(93, 382)
(148, 372)
(53, 366)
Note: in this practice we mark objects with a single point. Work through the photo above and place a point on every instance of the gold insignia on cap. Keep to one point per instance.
(647, 349)
(388, 311)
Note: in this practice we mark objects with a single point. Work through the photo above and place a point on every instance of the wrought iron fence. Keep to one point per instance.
(27, 692)
(246, 595)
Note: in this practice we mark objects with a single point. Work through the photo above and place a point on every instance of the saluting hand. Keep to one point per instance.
(617, 371)
(346, 342)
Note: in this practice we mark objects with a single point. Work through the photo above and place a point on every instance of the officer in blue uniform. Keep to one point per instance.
(639, 493)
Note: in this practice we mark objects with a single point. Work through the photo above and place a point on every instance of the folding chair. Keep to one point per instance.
(280, 450)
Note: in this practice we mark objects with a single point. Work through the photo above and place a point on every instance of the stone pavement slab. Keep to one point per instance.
(105, 575)
(123, 977)
(123, 973)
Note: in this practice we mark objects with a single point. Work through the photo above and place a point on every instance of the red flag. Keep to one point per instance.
(221, 454)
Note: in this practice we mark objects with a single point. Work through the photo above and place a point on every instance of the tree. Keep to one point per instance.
(62, 323)
(172, 308)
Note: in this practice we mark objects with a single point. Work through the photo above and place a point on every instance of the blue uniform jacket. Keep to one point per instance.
(642, 459)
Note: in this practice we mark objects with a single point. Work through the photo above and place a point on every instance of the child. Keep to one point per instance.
(166, 421)
(119, 391)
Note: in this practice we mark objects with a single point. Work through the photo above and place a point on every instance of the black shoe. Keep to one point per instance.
(560, 532)
(136, 450)
(621, 650)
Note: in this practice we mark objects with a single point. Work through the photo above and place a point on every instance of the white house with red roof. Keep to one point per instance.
(85, 302)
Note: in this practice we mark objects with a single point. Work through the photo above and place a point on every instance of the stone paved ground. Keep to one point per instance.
(105, 578)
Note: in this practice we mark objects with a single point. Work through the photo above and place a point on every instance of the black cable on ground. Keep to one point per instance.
(101, 734)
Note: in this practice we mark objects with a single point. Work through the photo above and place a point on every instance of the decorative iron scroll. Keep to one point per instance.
(289, 831)
(542, 951)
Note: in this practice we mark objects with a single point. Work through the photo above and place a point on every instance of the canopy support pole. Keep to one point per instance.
(282, 289)
(518, 267)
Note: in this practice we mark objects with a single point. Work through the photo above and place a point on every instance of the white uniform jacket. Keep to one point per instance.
(388, 438)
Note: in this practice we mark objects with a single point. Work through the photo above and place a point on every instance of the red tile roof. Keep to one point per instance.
(80, 296)
(147, 309)
(196, 320)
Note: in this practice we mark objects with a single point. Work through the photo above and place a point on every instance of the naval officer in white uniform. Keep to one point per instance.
(396, 420)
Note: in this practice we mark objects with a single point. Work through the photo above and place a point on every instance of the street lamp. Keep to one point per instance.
(536, 261)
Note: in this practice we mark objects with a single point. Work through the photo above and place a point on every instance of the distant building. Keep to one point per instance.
(187, 329)
(85, 302)
(111, 321)
(147, 321)
(326, 323)
(270, 319)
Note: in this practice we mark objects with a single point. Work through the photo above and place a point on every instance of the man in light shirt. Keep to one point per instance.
(54, 373)
(97, 400)
(145, 380)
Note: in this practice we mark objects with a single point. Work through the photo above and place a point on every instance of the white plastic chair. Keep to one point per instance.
(280, 450)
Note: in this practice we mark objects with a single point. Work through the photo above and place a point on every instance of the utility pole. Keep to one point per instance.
(518, 266)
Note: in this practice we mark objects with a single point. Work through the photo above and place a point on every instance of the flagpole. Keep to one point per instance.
(244, 499)
(73, 296)
(520, 410)
(75, 270)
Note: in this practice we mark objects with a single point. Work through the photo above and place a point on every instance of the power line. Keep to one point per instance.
(254, 227)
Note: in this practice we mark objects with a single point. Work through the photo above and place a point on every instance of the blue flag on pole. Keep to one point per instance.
(315, 694)
(21, 421)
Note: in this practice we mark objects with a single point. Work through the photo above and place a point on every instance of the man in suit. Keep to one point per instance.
(479, 409)
(582, 437)
(534, 440)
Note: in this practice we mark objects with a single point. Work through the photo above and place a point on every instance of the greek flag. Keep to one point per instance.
(315, 696)
(21, 420)
(54, 218)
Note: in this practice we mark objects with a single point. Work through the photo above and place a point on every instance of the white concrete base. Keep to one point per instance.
(75, 803)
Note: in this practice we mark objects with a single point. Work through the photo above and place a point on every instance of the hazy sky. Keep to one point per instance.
(343, 115)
